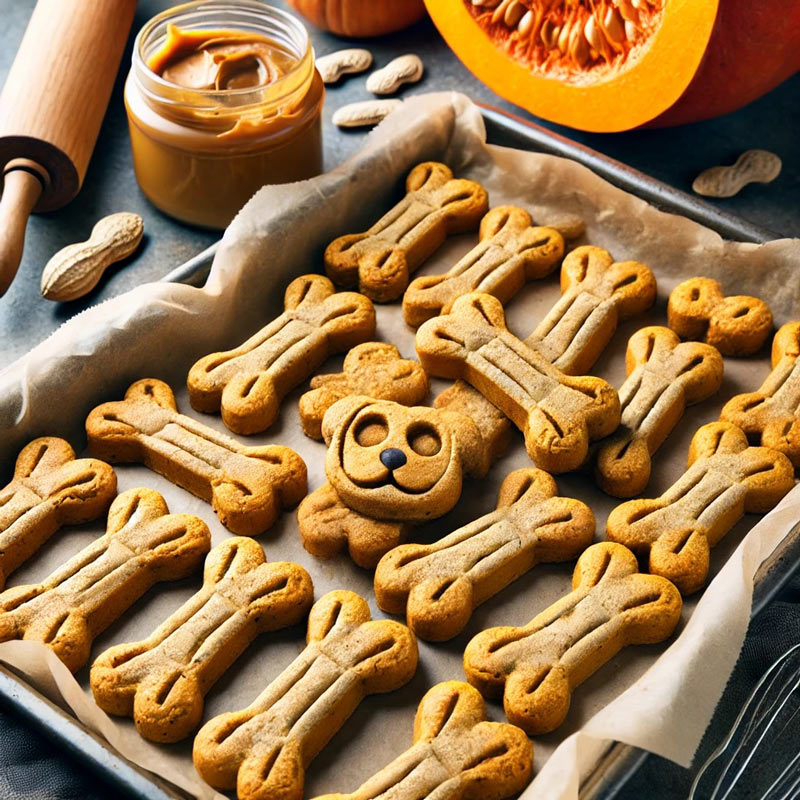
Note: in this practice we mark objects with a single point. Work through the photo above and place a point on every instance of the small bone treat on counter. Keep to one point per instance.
(161, 681)
(248, 383)
(50, 488)
(536, 666)
(455, 754)
(248, 487)
(144, 544)
(380, 261)
(263, 750)
(221, 102)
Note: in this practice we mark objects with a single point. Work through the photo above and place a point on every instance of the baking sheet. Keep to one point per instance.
(158, 330)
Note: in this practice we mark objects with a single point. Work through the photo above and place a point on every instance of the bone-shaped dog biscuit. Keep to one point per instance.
(664, 376)
(162, 680)
(736, 326)
(381, 260)
(511, 252)
(50, 488)
(772, 414)
(559, 415)
(536, 666)
(374, 369)
(248, 383)
(725, 478)
(247, 486)
(456, 754)
(596, 293)
(264, 749)
(438, 586)
(143, 544)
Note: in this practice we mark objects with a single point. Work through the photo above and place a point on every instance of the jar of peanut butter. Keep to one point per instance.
(222, 98)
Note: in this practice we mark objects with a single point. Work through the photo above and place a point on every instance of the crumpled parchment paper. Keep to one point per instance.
(658, 697)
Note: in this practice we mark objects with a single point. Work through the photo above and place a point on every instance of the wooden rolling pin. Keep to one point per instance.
(52, 104)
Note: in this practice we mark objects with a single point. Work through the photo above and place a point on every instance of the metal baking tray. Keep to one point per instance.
(620, 761)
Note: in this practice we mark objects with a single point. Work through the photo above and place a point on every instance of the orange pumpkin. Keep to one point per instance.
(612, 65)
(360, 18)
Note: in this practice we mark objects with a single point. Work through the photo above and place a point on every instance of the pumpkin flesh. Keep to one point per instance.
(611, 65)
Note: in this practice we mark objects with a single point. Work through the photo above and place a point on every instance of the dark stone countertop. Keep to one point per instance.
(31, 767)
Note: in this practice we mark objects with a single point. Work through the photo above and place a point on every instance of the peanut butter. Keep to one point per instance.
(219, 60)
(215, 113)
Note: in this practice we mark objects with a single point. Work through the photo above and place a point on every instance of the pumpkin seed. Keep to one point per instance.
(563, 37)
(514, 14)
(593, 35)
(526, 23)
(614, 26)
(500, 11)
(578, 46)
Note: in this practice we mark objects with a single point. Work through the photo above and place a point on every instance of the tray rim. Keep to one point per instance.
(620, 761)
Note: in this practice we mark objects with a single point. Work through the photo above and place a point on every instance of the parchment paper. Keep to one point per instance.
(658, 697)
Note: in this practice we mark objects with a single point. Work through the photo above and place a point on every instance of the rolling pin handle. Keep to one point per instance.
(23, 183)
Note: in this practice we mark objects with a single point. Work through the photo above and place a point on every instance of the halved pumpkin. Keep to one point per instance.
(612, 65)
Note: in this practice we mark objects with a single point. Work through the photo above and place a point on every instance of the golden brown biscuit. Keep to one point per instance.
(771, 416)
(461, 436)
(263, 750)
(381, 260)
(374, 369)
(50, 488)
(456, 754)
(535, 667)
(438, 586)
(664, 376)
(247, 486)
(511, 252)
(143, 544)
(596, 293)
(736, 326)
(559, 415)
(327, 525)
(725, 478)
(248, 383)
(395, 462)
(494, 425)
(161, 681)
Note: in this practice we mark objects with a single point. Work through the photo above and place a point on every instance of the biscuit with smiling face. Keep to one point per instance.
(393, 462)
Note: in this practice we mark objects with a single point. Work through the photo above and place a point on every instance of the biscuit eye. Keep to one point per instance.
(424, 440)
(371, 430)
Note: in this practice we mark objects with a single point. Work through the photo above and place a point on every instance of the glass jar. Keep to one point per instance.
(200, 154)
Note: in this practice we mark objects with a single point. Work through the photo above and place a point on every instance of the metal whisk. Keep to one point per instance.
(760, 756)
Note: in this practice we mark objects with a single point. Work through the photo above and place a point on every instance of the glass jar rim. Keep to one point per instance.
(163, 91)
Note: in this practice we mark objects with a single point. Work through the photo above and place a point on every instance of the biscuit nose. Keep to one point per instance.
(393, 458)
